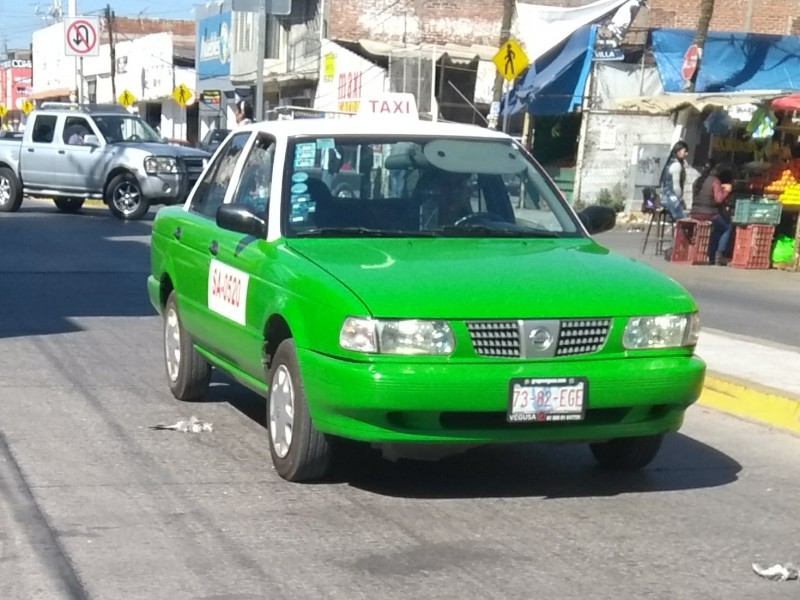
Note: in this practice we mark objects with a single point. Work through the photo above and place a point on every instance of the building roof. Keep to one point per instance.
(135, 27)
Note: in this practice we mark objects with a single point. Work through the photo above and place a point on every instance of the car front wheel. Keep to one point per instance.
(299, 452)
(124, 198)
(188, 373)
(627, 454)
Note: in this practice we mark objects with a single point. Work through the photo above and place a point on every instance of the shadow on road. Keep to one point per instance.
(500, 471)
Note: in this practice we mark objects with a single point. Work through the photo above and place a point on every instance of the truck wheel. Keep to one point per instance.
(69, 205)
(627, 454)
(299, 451)
(124, 198)
(10, 191)
(188, 373)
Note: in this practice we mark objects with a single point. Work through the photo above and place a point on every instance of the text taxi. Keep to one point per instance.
(408, 281)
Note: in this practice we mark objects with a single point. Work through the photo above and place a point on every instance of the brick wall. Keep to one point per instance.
(768, 16)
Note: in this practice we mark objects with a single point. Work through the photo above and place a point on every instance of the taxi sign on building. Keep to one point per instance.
(510, 59)
(390, 104)
(182, 95)
(127, 99)
(3, 111)
(27, 106)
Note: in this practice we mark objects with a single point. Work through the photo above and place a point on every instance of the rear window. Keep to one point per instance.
(423, 186)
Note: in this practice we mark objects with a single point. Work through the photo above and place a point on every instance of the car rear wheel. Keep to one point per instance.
(299, 452)
(69, 205)
(188, 373)
(124, 198)
(10, 191)
(627, 454)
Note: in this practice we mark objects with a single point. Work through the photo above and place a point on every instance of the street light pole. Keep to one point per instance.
(262, 48)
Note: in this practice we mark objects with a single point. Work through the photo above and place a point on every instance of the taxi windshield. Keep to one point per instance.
(364, 186)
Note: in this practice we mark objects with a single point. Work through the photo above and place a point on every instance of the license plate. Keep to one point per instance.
(547, 399)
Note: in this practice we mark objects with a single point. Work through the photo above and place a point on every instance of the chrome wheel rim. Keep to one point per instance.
(126, 198)
(281, 411)
(5, 190)
(172, 344)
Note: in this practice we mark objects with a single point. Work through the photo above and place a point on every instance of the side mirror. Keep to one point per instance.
(91, 140)
(242, 219)
(598, 219)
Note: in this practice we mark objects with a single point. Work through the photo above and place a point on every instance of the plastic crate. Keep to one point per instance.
(691, 242)
(749, 212)
(753, 247)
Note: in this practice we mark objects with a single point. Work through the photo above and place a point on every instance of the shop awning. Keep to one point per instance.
(49, 94)
(667, 103)
(786, 103)
(555, 84)
(732, 62)
(456, 53)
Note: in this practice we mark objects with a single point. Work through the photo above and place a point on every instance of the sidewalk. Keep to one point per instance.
(751, 378)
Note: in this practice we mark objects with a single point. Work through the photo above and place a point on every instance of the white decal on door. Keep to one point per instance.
(227, 291)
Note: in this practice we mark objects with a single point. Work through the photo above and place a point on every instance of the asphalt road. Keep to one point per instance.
(95, 504)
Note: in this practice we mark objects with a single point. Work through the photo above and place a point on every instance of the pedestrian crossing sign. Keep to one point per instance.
(3, 111)
(510, 59)
(127, 99)
(27, 106)
(182, 95)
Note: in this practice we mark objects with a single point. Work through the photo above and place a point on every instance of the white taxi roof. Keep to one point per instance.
(370, 125)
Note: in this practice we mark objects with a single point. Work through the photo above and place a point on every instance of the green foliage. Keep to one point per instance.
(614, 197)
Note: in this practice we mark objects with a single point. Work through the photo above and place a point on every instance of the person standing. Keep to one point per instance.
(244, 113)
(673, 181)
(712, 190)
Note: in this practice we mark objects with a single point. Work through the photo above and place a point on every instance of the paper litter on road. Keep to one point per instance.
(776, 572)
(191, 425)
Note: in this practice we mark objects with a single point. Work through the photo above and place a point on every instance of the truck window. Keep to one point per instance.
(211, 191)
(75, 129)
(44, 129)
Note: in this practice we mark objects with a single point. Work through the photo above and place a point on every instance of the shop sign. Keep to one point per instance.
(211, 97)
(345, 78)
(213, 46)
(329, 67)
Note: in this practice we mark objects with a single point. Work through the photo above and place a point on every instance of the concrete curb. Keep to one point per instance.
(752, 401)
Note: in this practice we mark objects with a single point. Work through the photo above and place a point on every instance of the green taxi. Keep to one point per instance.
(409, 282)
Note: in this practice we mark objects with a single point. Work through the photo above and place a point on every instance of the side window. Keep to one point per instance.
(44, 129)
(211, 191)
(255, 182)
(75, 129)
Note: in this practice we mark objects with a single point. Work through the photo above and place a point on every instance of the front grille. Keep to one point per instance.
(495, 338)
(502, 338)
(194, 168)
(582, 336)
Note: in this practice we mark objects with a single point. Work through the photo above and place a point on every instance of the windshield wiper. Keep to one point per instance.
(361, 232)
(485, 231)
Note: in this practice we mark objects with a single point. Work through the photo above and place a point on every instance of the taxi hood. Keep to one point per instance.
(473, 278)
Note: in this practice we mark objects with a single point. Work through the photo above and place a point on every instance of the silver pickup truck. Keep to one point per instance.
(70, 153)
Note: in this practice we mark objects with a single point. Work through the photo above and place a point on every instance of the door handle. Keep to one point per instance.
(213, 247)
(30, 149)
(62, 151)
(177, 233)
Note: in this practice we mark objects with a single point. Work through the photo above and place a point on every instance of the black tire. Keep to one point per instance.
(627, 454)
(307, 455)
(124, 198)
(10, 191)
(69, 205)
(343, 190)
(189, 374)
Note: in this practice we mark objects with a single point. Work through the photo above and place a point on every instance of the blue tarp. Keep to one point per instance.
(554, 84)
(732, 62)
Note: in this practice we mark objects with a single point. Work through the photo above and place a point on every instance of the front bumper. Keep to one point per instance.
(467, 402)
(165, 188)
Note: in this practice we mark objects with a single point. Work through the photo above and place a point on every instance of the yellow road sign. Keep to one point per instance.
(27, 106)
(510, 59)
(3, 111)
(127, 99)
(182, 95)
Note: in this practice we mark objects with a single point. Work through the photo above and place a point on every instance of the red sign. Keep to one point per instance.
(81, 38)
(690, 60)
(15, 86)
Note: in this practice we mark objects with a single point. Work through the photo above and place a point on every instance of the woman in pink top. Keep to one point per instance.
(712, 190)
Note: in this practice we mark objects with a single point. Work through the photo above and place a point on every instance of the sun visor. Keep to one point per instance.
(467, 156)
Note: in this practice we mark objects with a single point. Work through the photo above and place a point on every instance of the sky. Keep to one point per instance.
(18, 18)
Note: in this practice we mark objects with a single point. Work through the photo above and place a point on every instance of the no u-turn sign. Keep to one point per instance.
(82, 36)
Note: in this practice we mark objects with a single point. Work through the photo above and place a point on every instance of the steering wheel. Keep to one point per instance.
(479, 217)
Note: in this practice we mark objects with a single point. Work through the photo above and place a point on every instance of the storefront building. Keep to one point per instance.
(215, 92)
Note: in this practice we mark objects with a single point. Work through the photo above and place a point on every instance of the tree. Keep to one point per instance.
(703, 22)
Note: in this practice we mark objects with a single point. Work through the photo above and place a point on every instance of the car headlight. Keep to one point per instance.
(664, 331)
(401, 336)
(160, 164)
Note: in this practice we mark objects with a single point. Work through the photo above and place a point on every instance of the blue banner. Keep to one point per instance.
(213, 46)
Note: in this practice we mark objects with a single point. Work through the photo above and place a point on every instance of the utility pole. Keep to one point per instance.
(703, 23)
(505, 32)
(112, 51)
(262, 50)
